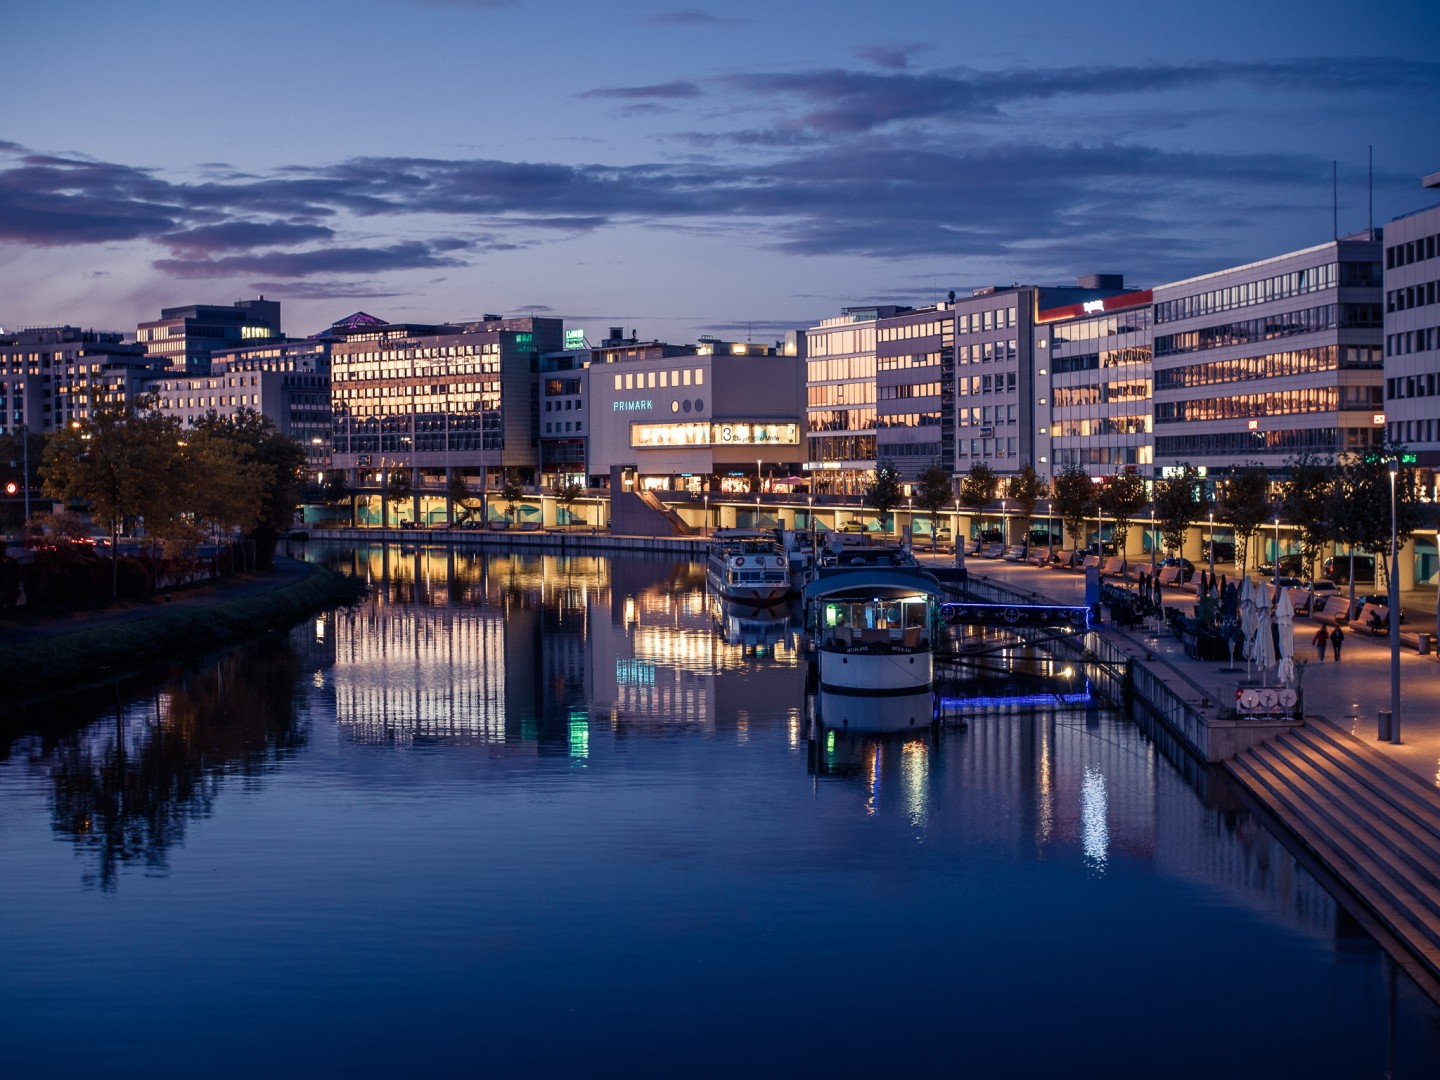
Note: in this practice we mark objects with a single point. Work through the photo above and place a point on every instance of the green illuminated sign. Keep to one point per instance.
(574, 339)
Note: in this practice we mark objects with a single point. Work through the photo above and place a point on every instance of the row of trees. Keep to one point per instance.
(1325, 501)
(132, 464)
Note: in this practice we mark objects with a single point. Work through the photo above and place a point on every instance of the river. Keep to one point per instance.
(548, 816)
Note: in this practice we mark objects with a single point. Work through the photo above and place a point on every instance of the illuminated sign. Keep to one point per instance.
(1093, 306)
(706, 433)
(1378, 419)
(574, 339)
(1409, 459)
(638, 405)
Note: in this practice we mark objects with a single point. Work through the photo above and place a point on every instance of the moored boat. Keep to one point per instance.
(748, 565)
(871, 629)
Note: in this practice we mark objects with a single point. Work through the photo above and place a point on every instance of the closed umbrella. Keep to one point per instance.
(1247, 621)
(1285, 622)
(1264, 639)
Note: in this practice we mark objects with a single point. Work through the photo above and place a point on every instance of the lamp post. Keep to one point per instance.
(707, 513)
(1394, 602)
(1277, 556)
(1212, 545)
(1152, 545)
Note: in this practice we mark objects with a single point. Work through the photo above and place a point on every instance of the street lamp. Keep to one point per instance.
(1212, 545)
(707, 512)
(1152, 545)
(1277, 556)
(1394, 600)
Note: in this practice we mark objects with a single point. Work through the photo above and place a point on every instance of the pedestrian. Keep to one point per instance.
(1322, 637)
(1337, 637)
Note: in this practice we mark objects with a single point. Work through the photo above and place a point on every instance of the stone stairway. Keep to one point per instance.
(1373, 825)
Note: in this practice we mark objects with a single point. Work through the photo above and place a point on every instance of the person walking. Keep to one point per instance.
(1337, 637)
(1322, 638)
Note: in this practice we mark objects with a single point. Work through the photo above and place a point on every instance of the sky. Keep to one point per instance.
(738, 170)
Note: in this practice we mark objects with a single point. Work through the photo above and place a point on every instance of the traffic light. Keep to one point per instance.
(12, 488)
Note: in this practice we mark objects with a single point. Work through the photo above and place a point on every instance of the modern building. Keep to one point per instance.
(840, 414)
(436, 402)
(286, 381)
(185, 337)
(1262, 362)
(1412, 333)
(53, 376)
(1093, 386)
(712, 417)
(914, 363)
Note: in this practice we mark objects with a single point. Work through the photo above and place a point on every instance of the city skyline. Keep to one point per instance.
(679, 171)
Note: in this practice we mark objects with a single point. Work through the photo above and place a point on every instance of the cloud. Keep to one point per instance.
(693, 18)
(669, 91)
(243, 235)
(410, 255)
(895, 56)
(335, 289)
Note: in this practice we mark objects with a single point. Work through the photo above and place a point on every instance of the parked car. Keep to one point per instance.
(1290, 566)
(853, 527)
(1224, 550)
(992, 536)
(406, 523)
(1337, 568)
(1187, 567)
(471, 523)
(1041, 538)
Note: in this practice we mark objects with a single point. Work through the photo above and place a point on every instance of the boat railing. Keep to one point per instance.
(874, 639)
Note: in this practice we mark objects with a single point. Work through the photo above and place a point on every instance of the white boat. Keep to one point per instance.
(871, 629)
(748, 565)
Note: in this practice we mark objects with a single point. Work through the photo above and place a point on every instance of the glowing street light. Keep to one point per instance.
(1393, 597)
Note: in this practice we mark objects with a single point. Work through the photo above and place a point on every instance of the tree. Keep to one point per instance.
(567, 493)
(1179, 500)
(282, 462)
(1073, 498)
(1025, 489)
(463, 501)
(932, 492)
(883, 491)
(1360, 504)
(21, 453)
(111, 464)
(1121, 497)
(1246, 506)
(511, 491)
(978, 486)
(1305, 500)
(399, 489)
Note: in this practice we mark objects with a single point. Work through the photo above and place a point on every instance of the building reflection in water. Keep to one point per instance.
(521, 650)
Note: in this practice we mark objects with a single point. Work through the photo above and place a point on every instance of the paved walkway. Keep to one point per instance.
(1348, 694)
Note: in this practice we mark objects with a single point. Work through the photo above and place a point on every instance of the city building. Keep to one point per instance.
(1412, 334)
(186, 337)
(1093, 386)
(435, 403)
(914, 363)
(840, 414)
(712, 417)
(286, 381)
(1262, 362)
(53, 376)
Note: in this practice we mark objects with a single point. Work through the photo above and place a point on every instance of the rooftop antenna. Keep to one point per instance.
(1334, 200)
(1371, 225)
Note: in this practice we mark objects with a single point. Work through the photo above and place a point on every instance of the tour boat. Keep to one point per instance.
(748, 565)
(871, 629)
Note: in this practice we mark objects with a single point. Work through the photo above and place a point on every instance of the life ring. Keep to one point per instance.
(740, 560)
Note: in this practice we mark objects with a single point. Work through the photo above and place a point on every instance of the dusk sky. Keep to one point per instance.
(738, 170)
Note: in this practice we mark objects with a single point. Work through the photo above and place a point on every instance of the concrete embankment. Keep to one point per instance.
(96, 647)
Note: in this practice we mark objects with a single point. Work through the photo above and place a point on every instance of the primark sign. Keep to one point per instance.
(636, 405)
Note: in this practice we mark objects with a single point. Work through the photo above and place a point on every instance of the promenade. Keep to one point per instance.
(1348, 694)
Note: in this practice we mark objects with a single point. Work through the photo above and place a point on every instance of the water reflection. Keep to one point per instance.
(125, 790)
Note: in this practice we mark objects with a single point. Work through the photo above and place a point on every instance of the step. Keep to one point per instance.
(1397, 917)
(1413, 865)
(1419, 803)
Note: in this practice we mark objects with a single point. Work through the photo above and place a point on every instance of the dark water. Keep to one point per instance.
(558, 817)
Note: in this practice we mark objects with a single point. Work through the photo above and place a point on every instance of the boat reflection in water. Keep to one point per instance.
(757, 630)
(914, 711)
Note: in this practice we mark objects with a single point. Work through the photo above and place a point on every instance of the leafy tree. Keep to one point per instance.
(1360, 504)
(1025, 489)
(1073, 498)
(883, 491)
(978, 486)
(399, 489)
(567, 494)
(1245, 504)
(111, 464)
(1180, 500)
(932, 492)
(511, 491)
(21, 454)
(279, 459)
(1305, 500)
(463, 501)
(1121, 497)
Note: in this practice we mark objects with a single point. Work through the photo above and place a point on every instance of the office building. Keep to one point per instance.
(1412, 333)
(1262, 362)
(53, 376)
(185, 337)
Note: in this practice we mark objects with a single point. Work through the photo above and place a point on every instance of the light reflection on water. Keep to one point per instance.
(564, 814)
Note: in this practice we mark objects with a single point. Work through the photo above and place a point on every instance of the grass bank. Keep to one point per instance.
(95, 649)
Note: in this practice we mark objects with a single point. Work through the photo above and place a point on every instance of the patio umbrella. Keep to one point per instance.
(1285, 621)
(1247, 620)
(1264, 640)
